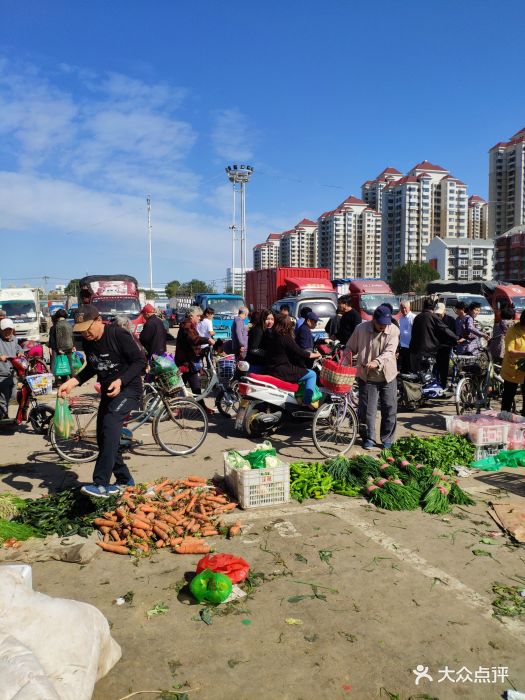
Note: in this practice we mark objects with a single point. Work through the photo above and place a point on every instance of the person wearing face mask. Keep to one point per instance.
(118, 362)
(374, 346)
(9, 347)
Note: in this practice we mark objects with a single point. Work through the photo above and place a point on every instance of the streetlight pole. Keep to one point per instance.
(239, 176)
(148, 202)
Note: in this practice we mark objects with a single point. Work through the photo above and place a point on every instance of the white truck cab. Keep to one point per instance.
(21, 305)
(324, 307)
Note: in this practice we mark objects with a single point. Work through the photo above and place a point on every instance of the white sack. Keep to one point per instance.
(70, 640)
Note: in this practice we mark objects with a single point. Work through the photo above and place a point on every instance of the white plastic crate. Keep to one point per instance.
(483, 451)
(495, 434)
(40, 384)
(254, 488)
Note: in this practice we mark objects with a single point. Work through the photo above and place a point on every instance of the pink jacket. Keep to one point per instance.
(360, 344)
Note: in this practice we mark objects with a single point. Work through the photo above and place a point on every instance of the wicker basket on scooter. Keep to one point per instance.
(337, 377)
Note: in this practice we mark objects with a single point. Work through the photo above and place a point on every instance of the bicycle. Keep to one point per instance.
(179, 424)
(474, 374)
(219, 374)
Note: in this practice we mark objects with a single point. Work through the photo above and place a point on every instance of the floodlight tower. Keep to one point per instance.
(239, 176)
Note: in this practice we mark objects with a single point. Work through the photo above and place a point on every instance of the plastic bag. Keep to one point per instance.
(211, 587)
(78, 361)
(61, 367)
(62, 419)
(257, 458)
(162, 363)
(316, 395)
(236, 568)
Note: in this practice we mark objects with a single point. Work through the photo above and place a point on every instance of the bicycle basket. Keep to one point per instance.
(226, 370)
(337, 377)
(40, 384)
(168, 382)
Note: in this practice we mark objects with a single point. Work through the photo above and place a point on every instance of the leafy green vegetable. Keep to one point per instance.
(441, 452)
(10, 505)
(65, 513)
(10, 529)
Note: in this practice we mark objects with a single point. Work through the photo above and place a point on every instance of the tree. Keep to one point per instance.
(172, 288)
(413, 277)
(72, 288)
(194, 286)
(149, 293)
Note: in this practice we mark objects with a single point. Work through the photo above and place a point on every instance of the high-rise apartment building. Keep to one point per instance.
(427, 202)
(372, 190)
(266, 255)
(298, 247)
(507, 184)
(478, 212)
(234, 279)
(349, 240)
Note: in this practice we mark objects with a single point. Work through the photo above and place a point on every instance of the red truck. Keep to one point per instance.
(113, 295)
(367, 295)
(295, 286)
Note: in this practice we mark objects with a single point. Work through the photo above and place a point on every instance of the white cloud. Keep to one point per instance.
(232, 136)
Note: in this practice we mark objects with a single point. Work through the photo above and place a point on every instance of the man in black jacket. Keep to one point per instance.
(153, 334)
(118, 362)
(349, 320)
(428, 334)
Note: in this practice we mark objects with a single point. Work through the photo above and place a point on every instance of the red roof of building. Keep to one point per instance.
(476, 198)
(274, 237)
(500, 144)
(352, 200)
(390, 171)
(368, 182)
(425, 165)
(423, 175)
(519, 133)
(305, 222)
(458, 182)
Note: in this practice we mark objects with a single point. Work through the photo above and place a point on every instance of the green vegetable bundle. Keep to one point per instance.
(10, 529)
(65, 513)
(441, 452)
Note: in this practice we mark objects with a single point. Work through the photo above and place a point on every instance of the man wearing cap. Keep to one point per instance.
(153, 334)
(303, 335)
(118, 362)
(429, 333)
(374, 346)
(9, 347)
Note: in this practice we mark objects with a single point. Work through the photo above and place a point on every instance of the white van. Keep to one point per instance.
(21, 305)
(486, 315)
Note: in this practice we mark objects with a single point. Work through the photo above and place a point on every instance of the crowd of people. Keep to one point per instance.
(273, 343)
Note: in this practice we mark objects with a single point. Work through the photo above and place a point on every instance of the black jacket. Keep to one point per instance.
(284, 357)
(429, 333)
(347, 325)
(153, 336)
(256, 353)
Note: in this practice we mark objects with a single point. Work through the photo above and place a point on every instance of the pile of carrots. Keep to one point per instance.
(177, 514)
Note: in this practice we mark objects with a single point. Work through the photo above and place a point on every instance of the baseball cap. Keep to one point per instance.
(383, 315)
(440, 308)
(312, 316)
(6, 323)
(148, 309)
(84, 317)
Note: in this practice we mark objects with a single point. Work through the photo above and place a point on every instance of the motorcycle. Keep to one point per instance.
(267, 401)
(415, 388)
(29, 387)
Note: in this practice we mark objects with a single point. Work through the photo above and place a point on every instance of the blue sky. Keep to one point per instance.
(102, 103)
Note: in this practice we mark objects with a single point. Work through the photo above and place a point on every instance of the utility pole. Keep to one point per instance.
(148, 202)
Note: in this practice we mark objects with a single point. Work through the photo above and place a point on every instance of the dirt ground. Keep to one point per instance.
(391, 591)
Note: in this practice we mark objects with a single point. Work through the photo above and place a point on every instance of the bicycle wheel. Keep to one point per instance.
(227, 401)
(180, 427)
(334, 428)
(40, 418)
(149, 394)
(467, 395)
(81, 445)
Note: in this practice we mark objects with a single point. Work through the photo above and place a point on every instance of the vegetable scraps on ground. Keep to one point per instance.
(177, 514)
